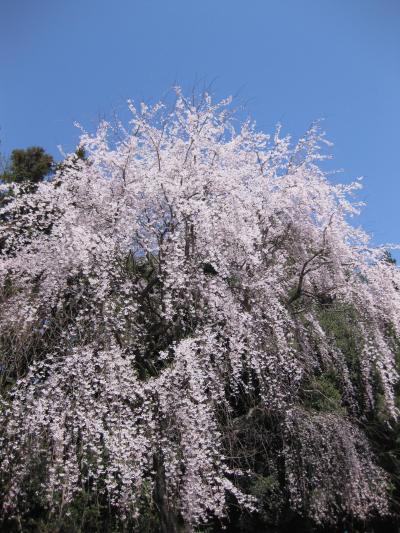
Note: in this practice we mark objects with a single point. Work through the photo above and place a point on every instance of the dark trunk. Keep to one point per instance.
(170, 521)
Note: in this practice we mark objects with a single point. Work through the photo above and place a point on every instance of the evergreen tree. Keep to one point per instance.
(31, 165)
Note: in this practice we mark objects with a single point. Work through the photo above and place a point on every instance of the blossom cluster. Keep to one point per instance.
(151, 286)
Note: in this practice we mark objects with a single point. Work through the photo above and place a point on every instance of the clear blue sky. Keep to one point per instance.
(292, 60)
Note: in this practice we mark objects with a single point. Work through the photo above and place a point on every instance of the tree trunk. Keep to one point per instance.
(170, 521)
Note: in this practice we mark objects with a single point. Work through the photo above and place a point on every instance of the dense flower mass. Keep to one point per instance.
(160, 291)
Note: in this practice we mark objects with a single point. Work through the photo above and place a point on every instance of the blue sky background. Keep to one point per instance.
(292, 61)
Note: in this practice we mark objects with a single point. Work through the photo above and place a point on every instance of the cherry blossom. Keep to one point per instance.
(171, 276)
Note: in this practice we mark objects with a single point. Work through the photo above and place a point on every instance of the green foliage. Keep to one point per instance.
(86, 514)
(263, 486)
(389, 258)
(30, 165)
(322, 393)
(267, 491)
(339, 321)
